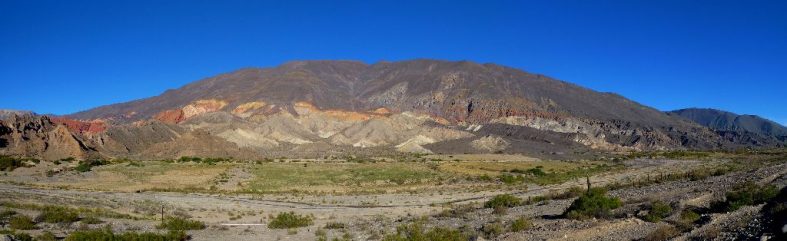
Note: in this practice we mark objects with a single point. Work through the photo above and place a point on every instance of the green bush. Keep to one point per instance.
(93, 235)
(594, 203)
(87, 165)
(289, 220)
(10, 163)
(520, 224)
(22, 237)
(177, 224)
(748, 194)
(658, 210)
(22, 222)
(687, 220)
(55, 214)
(493, 229)
(416, 232)
(503, 200)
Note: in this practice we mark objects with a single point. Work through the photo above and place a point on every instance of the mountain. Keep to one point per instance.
(728, 122)
(333, 108)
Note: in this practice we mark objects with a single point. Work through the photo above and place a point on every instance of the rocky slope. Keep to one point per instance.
(321, 108)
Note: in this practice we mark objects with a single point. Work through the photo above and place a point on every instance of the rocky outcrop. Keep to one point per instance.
(39, 137)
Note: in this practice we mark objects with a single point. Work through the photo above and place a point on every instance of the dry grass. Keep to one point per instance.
(147, 176)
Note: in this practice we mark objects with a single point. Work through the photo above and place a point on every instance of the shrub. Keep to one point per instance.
(503, 200)
(92, 235)
(748, 194)
(658, 210)
(22, 237)
(493, 229)
(594, 203)
(179, 224)
(689, 216)
(520, 224)
(290, 220)
(55, 214)
(22, 222)
(661, 233)
(416, 232)
(687, 219)
(335, 225)
(87, 165)
(10, 163)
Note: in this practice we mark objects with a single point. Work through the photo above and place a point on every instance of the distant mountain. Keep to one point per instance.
(321, 108)
(730, 122)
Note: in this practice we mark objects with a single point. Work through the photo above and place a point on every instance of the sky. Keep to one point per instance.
(60, 57)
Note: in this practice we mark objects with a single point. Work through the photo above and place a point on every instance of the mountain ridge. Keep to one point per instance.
(339, 107)
(720, 120)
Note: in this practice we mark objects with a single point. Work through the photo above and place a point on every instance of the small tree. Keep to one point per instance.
(594, 203)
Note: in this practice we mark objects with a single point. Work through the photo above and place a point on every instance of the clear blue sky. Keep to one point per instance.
(64, 56)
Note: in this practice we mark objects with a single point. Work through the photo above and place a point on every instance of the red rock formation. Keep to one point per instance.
(94, 126)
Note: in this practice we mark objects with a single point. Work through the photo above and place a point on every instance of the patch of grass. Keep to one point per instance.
(511, 179)
(520, 224)
(540, 172)
(289, 220)
(6, 213)
(664, 232)
(341, 177)
(177, 223)
(503, 200)
(536, 171)
(22, 222)
(594, 203)
(22, 237)
(56, 214)
(91, 220)
(657, 211)
(97, 212)
(416, 232)
(457, 211)
(93, 235)
(46, 236)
